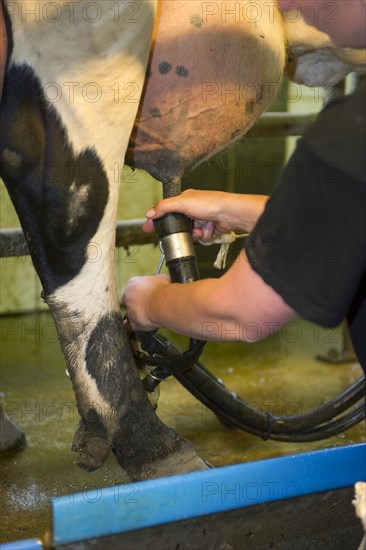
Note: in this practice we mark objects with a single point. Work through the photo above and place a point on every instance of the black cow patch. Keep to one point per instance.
(60, 197)
(154, 111)
(196, 21)
(107, 359)
(181, 71)
(165, 67)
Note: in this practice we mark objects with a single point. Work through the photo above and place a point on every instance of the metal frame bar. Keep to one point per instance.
(129, 232)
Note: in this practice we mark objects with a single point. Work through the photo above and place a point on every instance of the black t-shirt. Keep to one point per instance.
(310, 243)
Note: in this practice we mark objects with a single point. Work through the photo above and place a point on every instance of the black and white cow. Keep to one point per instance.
(74, 80)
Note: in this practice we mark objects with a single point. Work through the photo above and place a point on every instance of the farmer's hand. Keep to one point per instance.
(213, 212)
(137, 297)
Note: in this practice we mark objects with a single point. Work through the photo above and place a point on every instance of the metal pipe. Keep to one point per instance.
(129, 232)
(280, 125)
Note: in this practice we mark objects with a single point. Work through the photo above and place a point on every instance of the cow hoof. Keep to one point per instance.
(11, 436)
(92, 455)
(92, 450)
(182, 460)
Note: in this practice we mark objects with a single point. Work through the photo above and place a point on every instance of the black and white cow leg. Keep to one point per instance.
(65, 223)
(58, 160)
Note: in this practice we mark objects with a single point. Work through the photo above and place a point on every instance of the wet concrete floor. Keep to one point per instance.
(280, 375)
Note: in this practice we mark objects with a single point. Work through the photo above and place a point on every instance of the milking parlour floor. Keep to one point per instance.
(280, 375)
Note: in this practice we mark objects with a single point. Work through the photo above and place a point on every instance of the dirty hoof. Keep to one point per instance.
(93, 455)
(11, 436)
(182, 460)
(92, 450)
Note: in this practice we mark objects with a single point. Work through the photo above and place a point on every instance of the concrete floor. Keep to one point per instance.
(281, 376)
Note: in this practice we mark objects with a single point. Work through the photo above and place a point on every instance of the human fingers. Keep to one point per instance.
(208, 231)
(192, 203)
(198, 232)
(201, 229)
(136, 299)
(137, 286)
(148, 226)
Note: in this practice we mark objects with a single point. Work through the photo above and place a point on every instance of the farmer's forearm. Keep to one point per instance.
(247, 209)
(189, 308)
(238, 306)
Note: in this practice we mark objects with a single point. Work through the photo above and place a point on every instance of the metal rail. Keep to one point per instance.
(129, 232)
(281, 125)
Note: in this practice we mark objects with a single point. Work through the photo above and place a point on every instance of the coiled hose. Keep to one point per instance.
(334, 417)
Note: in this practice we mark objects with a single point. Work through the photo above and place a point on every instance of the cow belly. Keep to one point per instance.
(211, 73)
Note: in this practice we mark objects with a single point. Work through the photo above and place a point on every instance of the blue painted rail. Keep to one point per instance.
(29, 544)
(122, 508)
(112, 510)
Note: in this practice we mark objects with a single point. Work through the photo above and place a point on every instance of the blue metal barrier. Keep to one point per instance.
(29, 544)
(112, 510)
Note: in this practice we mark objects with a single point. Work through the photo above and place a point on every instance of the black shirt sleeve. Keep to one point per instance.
(310, 243)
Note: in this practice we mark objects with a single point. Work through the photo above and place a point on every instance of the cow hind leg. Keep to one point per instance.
(67, 205)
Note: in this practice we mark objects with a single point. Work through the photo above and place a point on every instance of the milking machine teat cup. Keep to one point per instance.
(175, 235)
(157, 358)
